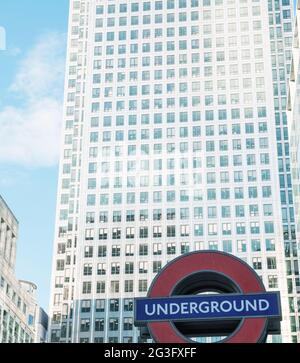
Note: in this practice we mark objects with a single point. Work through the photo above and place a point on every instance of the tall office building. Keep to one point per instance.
(171, 138)
(281, 24)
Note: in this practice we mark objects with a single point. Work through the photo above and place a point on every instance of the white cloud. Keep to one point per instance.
(30, 131)
(30, 135)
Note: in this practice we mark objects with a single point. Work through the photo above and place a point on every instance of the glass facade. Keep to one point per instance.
(293, 126)
(170, 145)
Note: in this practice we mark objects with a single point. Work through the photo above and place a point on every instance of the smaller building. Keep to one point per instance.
(19, 311)
(41, 327)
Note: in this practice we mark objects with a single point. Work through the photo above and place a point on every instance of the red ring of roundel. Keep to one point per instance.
(250, 331)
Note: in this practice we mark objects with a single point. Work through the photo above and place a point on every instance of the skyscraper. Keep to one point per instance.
(169, 146)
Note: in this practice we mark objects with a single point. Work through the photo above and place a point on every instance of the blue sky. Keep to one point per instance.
(30, 106)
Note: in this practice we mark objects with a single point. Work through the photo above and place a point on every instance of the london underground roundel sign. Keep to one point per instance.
(208, 294)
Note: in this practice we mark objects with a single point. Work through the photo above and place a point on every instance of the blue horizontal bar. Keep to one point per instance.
(204, 307)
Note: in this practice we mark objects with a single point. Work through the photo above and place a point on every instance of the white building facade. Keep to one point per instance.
(18, 306)
(294, 123)
(281, 25)
(169, 146)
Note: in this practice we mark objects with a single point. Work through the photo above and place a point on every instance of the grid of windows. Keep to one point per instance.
(169, 147)
(281, 38)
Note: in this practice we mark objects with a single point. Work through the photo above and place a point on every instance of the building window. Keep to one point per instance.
(85, 325)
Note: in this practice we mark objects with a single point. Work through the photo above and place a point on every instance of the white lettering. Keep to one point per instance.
(147, 310)
(229, 308)
(174, 309)
(204, 307)
(249, 305)
(211, 306)
(193, 308)
(263, 305)
(184, 308)
(214, 306)
(163, 309)
(235, 307)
